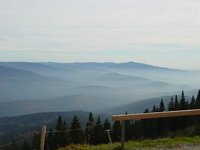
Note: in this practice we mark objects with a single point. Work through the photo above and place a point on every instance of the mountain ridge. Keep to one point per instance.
(102, 85)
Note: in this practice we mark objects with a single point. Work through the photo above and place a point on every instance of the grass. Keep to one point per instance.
(133, 145)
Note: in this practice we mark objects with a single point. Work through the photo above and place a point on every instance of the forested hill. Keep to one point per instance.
(140, 106)
(23, 126)
(87, 128)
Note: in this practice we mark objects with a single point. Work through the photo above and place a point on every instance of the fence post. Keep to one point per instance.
(123, 134)
(108, 131)
(43, 137)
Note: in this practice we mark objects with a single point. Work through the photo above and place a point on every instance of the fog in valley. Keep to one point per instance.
(98, 87)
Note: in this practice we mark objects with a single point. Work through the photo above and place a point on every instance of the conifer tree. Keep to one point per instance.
(59, 124)
(106, 127)
(13, 146)
(198, 100)
(192, 103)
(152, 128)
(90, 118)
(198, 106)
(155, 109)
(116, 131)
(176, 104)
(76, 132)
(89, 127)
(66, 135)
(191, 119)
(51, 140)
(146, 111)
(170, 121)
(161, 106)
(161, 122)
(98, 133)
(58, 135)
(36, 141)
(26, 146)
(62, 137)
(183, 104)
(127, 129)
(138, 130)
(171, 105)
(147, 124)
(176, 121)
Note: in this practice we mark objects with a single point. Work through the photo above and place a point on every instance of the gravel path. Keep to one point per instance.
(181, 147)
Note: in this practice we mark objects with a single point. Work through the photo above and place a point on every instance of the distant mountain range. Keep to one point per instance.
(42, 87)
(18, 84)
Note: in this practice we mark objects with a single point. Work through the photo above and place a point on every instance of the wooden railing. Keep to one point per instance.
(150, 116)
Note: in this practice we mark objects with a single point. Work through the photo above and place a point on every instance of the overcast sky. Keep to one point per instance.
(158, 32)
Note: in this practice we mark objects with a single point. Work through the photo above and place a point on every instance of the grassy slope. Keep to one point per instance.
(132, 145)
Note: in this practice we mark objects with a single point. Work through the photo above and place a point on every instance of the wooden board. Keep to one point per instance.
(156, 115)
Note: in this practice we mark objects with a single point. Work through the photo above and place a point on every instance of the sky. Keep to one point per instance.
(158, 32)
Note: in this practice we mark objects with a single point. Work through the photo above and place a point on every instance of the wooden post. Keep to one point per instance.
(43, 137)
(123, 134)
(156, 115)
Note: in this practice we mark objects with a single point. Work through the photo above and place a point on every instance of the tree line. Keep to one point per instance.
(162, 127)
(96, 132)
(93, 133)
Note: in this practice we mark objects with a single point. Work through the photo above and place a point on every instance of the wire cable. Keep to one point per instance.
(2, 146)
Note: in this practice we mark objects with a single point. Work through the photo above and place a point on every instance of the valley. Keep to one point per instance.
(27, 88)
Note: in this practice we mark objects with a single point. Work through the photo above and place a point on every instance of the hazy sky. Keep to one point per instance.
(158, 32)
